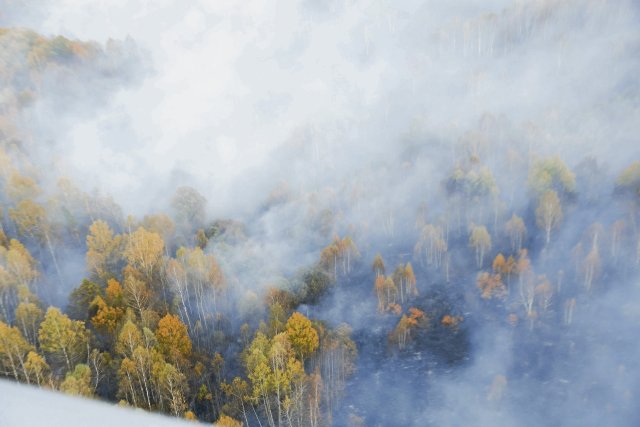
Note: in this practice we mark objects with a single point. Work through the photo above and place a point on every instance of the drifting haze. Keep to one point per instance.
(234, 89)
(362, 108)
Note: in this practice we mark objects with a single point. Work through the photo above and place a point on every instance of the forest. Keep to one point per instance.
(385, 215)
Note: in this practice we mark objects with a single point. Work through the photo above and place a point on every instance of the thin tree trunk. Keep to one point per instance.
(53, 257)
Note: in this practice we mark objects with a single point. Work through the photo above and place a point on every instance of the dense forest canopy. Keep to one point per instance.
(324, 213)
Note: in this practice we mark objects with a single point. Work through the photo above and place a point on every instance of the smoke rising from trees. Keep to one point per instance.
(484, 151)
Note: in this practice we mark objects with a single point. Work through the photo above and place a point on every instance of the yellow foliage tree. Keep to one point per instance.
(144, 250)
(62, 339)
(107, 318)
(78, 382)
(173, 338)
(302, 335)
(104, 251)
(548, 213)
(226, 421)
(480, 240)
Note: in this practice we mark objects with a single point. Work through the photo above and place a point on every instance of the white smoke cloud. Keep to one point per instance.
(347, 98)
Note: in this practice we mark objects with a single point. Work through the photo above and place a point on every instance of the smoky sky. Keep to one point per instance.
(230, 88)
(361, 108)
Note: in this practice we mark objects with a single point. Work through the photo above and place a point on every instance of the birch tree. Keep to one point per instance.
(548, 214)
